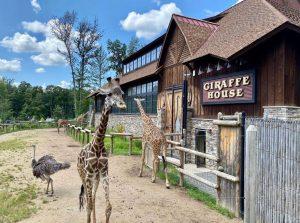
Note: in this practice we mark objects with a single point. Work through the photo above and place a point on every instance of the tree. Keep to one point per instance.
(133, 46)
(99, 67)
(5, 106)
(62, 29)
(58, 112)
(117, 51)
(85, 42)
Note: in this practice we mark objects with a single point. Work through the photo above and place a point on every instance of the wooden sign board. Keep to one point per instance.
(235, 88)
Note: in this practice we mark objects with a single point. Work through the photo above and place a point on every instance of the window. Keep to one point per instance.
(148, 91)
(148, 58)
(135, 64)
(158, 51)
(153, 55)
(143, 60)
(139, 62)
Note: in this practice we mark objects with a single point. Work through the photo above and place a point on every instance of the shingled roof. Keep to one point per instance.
(245, 23)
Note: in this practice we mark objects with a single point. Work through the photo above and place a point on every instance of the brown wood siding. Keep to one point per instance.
(277, 65)
(277, 81)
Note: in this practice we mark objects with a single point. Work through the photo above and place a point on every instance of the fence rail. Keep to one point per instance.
(11, 127)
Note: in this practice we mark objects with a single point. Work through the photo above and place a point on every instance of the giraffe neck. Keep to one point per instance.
(145, 117)
(98, 141)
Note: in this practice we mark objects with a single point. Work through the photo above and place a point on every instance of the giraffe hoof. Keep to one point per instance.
(168, 186)
(152, 181)
(140, 175)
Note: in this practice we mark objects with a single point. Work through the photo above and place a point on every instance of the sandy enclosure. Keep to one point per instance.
(133, 199)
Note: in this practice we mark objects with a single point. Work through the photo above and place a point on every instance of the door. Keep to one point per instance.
(173, 110)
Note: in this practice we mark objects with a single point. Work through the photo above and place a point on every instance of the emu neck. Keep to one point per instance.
(98, 141)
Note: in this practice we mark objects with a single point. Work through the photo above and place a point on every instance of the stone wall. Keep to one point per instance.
(282, 112)
(132, 123)
(212, 133)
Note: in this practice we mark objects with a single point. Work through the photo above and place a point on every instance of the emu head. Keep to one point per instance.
(113, 94)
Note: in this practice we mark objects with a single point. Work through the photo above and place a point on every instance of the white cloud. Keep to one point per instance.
(20, 42)
(35, 5)
(36, 26)
(16, 84)
(46, 49)
(40, 70)
(150, 24)
(238, 1)
(65, 84)
(210, 12)
(157, 2)
(10, 65)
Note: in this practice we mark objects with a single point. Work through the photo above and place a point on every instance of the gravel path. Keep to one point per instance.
(133, 199)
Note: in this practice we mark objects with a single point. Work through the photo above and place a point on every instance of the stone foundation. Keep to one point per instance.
(132, 123)
(282, 112)
(212, 134)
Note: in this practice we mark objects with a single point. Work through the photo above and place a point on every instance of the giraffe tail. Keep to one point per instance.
(81, 198)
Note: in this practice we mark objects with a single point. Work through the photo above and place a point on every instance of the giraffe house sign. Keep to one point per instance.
(235, 88)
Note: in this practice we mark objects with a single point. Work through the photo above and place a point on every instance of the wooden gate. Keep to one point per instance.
(230, 153)
(173, 110)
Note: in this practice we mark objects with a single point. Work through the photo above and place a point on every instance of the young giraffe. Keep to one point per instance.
(155, 138)
(92, 160)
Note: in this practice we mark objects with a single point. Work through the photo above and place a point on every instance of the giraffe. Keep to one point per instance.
(62, 123)
(81, 118)
(93, 159)
(155, 139)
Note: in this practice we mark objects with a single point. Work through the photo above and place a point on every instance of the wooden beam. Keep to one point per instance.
(226, 123)
(204, 155)
(200, 179)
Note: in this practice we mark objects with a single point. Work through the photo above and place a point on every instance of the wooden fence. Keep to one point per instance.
(6, 128)
(272, 171)
(84, 136)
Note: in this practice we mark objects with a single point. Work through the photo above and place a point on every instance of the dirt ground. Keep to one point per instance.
(133, 199)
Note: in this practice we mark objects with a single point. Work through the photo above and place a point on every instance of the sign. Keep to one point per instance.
(235, 88)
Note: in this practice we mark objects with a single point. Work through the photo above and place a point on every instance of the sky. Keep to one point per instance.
(28, 51)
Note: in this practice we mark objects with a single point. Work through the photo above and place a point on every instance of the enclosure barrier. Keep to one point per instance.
(6, 128)
(85, 135)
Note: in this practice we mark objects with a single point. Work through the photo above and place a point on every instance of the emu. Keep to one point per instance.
(45, 167)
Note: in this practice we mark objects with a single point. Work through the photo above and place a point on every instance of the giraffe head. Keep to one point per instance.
(114, 94)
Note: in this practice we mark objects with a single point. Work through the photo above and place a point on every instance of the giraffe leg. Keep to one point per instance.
(89, 198)
(95, 188)
(105, 184)
(143, 158)
(155, 168)
(165, 166)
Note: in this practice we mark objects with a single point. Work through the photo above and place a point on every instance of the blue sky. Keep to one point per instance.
(28, 51)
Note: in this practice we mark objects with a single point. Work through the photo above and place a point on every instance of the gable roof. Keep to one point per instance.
(244, 24)
(194, 31)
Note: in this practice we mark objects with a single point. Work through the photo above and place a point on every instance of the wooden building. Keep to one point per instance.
(243, 59)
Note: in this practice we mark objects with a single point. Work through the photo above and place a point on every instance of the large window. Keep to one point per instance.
(148, 91)
(143, 60)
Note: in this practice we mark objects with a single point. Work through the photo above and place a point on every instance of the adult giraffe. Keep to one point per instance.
(155, 138)
(92, 160)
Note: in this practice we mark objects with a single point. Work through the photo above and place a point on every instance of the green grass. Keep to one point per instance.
(121, 144)
(194, 192)
(12, 145)
(18, 205)
(5, 179)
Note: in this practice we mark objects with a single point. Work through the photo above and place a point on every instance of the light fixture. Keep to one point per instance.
(200, 71)
(209, 69)
(219, 67)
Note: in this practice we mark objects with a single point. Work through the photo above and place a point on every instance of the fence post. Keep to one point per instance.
(250, 174)
(130, 145)
(182, 160)
(112, 144)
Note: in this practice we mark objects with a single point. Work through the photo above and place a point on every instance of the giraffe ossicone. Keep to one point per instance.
(93, 159)
(154, 138)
